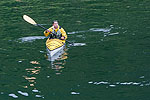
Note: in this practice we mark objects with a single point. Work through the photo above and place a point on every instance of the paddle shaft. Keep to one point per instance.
(41, 26)
(69, 42)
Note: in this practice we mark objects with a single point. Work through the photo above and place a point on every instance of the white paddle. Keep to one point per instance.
(31, 21)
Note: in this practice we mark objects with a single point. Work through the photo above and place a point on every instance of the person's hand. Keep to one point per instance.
(62, 38)
(47, 31)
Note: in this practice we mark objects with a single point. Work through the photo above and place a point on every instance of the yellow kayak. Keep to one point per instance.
(54, 46)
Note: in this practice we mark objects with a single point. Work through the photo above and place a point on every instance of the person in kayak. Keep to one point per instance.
(56, 31)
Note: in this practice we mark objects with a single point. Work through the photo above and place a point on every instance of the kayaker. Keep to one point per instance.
(56, 31)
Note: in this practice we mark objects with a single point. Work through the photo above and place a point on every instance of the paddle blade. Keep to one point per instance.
(29, 20)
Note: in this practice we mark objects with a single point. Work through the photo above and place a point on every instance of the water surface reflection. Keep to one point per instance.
(58, 61)
(31, 78)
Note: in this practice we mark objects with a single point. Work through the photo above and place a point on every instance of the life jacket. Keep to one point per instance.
(57, 34)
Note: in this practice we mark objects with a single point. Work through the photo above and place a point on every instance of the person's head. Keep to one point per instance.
(55, 24)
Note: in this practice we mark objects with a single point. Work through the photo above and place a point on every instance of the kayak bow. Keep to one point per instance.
(54, 46)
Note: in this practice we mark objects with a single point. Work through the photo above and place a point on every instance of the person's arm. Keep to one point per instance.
(47, 32)
(64, 35)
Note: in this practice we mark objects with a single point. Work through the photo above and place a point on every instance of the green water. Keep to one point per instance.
(109, 61)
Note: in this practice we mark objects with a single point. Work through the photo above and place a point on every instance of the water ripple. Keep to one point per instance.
(100, 29)
(31, 38)
(35, 90)
(13, 95)
(143, 83)
(23, 93)
(39, 96)
(79, 44)
(92, 30)
(75, 93)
